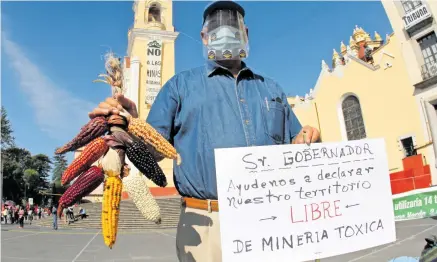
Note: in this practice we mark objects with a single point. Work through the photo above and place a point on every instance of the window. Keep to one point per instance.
(408, 146)
(353, 118)
(428, 46)
(154, 13)
(410, 5)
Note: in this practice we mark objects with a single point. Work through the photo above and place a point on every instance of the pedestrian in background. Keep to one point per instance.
(21, 217)
(30, 215)
(55, 217)
(5, 214)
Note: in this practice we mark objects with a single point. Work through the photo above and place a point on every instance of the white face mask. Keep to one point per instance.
(223, 38)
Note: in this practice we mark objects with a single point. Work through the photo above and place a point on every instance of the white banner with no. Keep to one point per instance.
(300, 202)
(154, 66)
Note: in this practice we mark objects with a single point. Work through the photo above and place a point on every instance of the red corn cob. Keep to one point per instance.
(83, 185)
(96, 127)
(91, 153)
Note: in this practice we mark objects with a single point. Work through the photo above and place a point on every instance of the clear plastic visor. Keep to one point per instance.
(225, 18)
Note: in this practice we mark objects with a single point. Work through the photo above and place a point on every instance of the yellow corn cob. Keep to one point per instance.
(111, 165)
(148, 134)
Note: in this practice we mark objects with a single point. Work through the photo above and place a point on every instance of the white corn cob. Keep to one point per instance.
(136, 186)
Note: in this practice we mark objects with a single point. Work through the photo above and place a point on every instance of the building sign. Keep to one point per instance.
(153, 74)
(416, 16)
(287, 203)
(415, 204)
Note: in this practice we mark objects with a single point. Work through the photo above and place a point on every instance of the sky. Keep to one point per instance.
(52, 51)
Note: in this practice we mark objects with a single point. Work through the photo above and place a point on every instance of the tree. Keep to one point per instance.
(24, 175)
(42, 164)
(31, 180)
(14, 162)
(59, 165)
(7, 139)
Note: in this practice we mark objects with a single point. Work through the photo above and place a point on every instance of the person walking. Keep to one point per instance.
(55, 217)
(13, 216)
(70, 214)
(222, 104)
(39, 213)
(30, 215)
(21, 217)
(5, 215)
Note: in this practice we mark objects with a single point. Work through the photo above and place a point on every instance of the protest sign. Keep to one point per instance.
(300, 202)
(420, 203)
(154, 64)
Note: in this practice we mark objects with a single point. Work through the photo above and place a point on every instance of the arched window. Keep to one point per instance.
(154, 13)
(353, 118)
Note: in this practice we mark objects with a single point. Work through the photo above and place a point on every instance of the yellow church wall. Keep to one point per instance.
(139, 50)
(388, 106)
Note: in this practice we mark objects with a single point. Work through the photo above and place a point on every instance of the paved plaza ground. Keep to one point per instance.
(42, 244)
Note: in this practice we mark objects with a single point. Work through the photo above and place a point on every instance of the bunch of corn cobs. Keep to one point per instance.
(107, 141)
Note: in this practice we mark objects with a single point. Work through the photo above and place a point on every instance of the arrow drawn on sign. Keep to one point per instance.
(348, 206)
(268, 218)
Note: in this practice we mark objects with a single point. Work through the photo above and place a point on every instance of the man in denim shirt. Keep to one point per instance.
(222, 104)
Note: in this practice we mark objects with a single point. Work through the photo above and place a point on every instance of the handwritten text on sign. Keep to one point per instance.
(300, 202)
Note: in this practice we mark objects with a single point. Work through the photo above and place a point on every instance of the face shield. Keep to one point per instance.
(226, 36)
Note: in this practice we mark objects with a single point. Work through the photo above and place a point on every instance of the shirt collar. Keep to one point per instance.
(212, 66)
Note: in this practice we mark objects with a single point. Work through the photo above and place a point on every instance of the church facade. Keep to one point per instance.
(366, 93)
(149, 63)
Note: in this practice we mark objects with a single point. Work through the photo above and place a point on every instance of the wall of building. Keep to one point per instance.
(388, 106)
(408, 44)
(144, 31)
(425, 91)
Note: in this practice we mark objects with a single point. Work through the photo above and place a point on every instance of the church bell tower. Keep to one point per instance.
(150, 62)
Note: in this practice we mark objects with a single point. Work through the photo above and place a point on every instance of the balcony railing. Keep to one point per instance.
(429, 70)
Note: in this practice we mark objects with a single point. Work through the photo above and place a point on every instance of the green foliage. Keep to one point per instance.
(7, 139)
(59, 165)
(24, 175)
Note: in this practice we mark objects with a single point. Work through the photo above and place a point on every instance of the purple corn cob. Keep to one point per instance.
(83, 185)
(96, 127)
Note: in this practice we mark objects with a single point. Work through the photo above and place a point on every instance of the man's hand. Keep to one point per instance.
(113, 106)
(307, 135)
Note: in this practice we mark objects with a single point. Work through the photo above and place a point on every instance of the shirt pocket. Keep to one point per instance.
(274, 121)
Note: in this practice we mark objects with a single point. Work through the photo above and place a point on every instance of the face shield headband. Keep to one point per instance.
(225, 36)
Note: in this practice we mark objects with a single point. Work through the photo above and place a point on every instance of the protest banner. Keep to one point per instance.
(153, 75)
(303, 202)
(420, 203)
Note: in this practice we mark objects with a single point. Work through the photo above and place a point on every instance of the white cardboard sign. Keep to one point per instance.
(300, 202)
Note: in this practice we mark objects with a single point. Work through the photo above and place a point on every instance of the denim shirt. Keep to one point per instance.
(205, 108)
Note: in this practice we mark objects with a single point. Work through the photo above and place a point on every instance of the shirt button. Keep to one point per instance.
(247, 122)
(242, 100)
